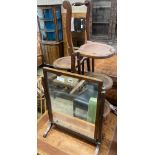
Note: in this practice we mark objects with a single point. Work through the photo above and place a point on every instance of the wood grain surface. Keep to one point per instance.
(75, 124)
(96, 50)
(69, 145)
(107, 66)
(62, 141)
(63, 63)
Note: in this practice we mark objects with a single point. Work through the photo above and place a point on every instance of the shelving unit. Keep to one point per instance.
(103, 19)
(50, 26)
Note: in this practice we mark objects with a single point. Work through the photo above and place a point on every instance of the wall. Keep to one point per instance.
(48, 2)
(52, 2)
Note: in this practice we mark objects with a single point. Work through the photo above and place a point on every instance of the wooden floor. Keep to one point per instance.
(113, 148)
(109, 127)
(59, 143)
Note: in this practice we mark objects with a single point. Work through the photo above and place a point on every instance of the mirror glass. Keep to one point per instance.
(74, 102)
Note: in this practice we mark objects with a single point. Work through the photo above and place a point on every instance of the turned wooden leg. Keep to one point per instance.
(83, 67)
(78, 63)
(73, 67)
(93, 64)
(88, 64)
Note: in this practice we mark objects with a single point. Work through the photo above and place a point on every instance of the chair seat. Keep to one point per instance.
(63, 63)
(107, 81)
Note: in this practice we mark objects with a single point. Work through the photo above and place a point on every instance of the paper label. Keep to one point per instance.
(60, 78)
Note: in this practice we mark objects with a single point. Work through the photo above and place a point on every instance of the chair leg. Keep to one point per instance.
(83, 67)
(78, 63)
(93, 64)
(88, 65)
(73, 68)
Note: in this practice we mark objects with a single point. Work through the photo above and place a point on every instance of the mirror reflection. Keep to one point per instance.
(74, 102)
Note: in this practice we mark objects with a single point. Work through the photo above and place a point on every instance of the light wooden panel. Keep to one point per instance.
(73, 146)
(75, 124)
(52, 52)
(64, 142)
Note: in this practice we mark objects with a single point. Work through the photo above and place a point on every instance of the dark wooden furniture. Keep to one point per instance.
(78, 31)
(94, 50)
(107, 66)
(90, 132)
(78, 38)
(50, 27)
(103, 24)
(86, 51)
(104, 51)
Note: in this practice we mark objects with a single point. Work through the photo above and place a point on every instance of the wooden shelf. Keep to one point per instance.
(99, 37)
(51, 42)
(48, 20)
(58, 17)
(101, 7)
(104, 22)
(105, 10)
(47, 30)
(104, 4)
(44, 19)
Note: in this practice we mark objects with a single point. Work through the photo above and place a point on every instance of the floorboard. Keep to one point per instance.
(71, 145)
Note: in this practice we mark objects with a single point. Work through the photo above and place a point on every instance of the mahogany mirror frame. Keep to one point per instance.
(99, 109)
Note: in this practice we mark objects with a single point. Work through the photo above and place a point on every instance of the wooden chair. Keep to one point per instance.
(75, 61)
(109, 67)
(65, 62)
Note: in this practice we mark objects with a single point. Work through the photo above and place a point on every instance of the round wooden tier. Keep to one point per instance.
(63, 63)
(107, 81)
(106, 109)
(107, 66)
(96, 50)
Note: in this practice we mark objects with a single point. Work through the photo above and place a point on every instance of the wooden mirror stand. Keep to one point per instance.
(72, 83)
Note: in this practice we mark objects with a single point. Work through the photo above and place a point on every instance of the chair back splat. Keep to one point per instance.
(68, 7)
